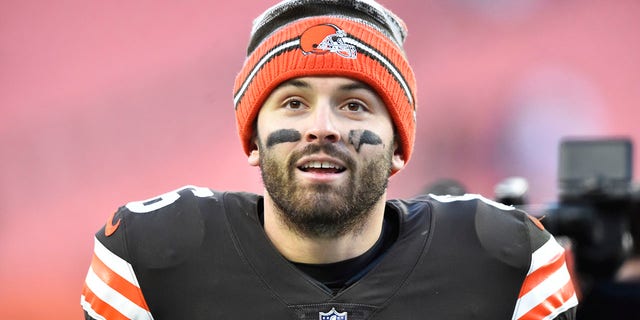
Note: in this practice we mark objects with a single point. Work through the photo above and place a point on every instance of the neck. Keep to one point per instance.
(318, 250)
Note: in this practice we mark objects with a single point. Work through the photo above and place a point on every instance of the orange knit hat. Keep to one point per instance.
(358, 39)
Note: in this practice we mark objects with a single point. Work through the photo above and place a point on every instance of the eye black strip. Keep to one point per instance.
(282, 136)
(359, 137)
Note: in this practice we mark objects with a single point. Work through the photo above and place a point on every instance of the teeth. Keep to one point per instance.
(320, 165)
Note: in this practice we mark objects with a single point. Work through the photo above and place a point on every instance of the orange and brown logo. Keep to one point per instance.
(326, 38)
(110, 227)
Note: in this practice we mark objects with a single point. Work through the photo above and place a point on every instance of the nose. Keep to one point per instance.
(322, 128)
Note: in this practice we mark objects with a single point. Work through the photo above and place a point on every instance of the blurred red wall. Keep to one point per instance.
(108, 102)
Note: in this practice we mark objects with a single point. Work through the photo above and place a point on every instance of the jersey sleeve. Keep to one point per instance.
(547, 291)
(111, 289)
(157, 233)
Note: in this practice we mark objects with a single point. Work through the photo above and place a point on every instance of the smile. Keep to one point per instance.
(322, 167)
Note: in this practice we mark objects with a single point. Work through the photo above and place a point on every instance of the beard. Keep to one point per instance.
(323, 210)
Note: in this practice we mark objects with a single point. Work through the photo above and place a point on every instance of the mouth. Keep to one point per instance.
(323, 167)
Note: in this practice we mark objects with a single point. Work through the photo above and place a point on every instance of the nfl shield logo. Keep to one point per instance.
(333, 315)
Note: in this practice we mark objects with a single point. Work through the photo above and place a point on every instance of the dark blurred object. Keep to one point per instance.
(611, 300)
(595, 203)
(598, 207)
(598, 210)
(444, 187)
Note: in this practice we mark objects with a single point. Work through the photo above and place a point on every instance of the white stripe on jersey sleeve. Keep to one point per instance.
(115, 263)
(471, 196)
(550, 286)
(541, 292)
(544, 254)
(116, 300)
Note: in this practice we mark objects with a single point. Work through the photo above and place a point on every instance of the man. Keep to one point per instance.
(325, 106)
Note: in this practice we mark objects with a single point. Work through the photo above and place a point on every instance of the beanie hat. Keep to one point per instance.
(358, 39)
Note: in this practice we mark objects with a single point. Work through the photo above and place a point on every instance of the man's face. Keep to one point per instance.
(326, 148)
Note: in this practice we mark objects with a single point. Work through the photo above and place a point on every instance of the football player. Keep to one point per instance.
(326, 108)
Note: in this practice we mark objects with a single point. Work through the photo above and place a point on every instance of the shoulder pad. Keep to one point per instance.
(162, 231)
(505, 232)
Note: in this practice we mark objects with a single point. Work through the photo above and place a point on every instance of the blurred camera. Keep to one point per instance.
(598, 215)
(596, 203)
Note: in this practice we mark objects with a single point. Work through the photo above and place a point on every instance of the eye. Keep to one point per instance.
(293, 104)
(354, 106)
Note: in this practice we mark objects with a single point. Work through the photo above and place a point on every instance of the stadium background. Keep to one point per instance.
(105, 102)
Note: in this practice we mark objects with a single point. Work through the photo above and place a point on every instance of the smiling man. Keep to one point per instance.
(325, 105)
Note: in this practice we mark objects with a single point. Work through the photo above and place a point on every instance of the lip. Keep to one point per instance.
(320, 177)
(319, 158)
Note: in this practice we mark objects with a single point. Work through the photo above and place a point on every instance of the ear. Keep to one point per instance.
(254, 155)
(397, 160)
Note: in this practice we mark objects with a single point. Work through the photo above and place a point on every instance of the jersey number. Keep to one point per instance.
(166, 199)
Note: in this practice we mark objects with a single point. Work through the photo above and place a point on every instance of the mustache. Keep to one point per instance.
(330, 149)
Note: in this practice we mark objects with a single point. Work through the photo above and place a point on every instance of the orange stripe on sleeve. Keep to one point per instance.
(100, 307)
(118, 283)
(538, 276)
(551, 303)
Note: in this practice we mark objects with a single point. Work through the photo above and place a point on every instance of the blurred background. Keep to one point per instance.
(105, 102)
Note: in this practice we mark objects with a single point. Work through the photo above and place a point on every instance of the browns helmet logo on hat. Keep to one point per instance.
(326, 38)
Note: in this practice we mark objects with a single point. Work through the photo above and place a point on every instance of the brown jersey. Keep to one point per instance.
(200, 254)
